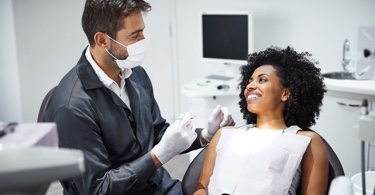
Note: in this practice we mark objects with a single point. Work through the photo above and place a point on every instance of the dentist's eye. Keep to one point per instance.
(135, 36)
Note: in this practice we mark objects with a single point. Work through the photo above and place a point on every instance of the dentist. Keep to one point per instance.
(105, 106)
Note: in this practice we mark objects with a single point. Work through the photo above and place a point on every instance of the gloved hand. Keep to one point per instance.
(176, 139)
(219, 117)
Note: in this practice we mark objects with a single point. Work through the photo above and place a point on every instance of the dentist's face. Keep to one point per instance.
(131, 33)
(264, 93)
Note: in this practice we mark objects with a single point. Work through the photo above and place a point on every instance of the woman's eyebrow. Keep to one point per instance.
(263, 74)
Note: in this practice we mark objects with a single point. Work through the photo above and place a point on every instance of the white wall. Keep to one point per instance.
(159, 60)
(49, 41)
(10, 100)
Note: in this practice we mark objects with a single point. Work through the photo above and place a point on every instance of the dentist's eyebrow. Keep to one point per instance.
(136, 32)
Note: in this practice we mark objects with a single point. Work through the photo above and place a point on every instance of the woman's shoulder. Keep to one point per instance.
(312, 134)
(316, 139)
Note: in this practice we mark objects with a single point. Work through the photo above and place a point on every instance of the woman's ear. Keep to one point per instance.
(101, 40)
(285, 95)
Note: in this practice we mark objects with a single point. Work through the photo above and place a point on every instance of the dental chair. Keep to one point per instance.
(43, 107)
(191, 177)
(45, 104)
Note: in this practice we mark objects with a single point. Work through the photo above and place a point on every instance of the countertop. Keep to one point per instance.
(364, 87)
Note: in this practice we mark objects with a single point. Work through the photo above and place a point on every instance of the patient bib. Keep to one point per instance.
(254, 161)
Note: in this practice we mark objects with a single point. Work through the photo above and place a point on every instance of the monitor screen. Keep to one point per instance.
(226, 36)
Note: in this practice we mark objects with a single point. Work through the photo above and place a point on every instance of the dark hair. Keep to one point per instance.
(107, 15)
(298, 73)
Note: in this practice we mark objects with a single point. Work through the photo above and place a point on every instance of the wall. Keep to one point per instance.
(10, 100)
(159, 61)
(49, 42)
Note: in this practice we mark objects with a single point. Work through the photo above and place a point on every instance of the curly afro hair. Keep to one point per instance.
(298, 73)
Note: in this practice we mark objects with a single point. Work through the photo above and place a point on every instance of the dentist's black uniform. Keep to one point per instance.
(115, 141)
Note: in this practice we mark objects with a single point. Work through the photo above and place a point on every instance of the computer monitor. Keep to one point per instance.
(227, 37)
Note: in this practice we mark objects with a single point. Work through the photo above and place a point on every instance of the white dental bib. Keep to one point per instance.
(254, 161)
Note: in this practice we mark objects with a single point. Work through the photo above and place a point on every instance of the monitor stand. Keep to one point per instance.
(232, 69)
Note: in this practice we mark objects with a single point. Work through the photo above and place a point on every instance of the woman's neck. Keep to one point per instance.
(272, 124)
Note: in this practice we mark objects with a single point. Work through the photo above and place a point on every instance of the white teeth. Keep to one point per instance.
(253, 96)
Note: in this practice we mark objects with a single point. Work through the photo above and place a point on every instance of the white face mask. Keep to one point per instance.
(137, 52)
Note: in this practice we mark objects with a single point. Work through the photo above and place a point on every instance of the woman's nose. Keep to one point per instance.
(250, 86)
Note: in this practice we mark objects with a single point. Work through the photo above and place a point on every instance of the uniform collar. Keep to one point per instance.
(103, 77)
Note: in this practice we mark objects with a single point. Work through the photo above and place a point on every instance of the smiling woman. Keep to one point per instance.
(281, 93)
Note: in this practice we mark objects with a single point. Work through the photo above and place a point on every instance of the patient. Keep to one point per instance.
(281, 95)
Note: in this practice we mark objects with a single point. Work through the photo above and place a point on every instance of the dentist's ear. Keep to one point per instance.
(101, 40)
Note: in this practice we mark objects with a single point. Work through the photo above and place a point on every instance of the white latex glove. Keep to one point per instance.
(176, 139)
(219, 117)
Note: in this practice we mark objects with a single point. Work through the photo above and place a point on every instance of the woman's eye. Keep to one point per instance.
(262, 80)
